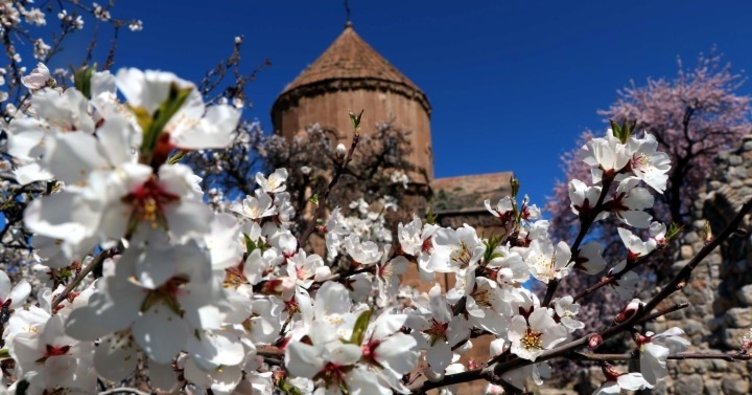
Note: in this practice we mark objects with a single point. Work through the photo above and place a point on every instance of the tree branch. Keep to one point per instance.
(495, 370)
(609, 279)
(123, 391)
(321, 209)
(96, 262)
(679, 356)
(585, 224)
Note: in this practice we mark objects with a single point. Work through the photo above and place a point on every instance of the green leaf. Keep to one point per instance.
(250, 245)
(615, 128)
(491, 245)
(431, 217)
(153, 125)
(623, 131)
(355, 119)
(314, 199)
(176, 157)
(82, 80)
(288, 388)
(673, 231)
(630, 127)
(359, 330)
(4, 353)
(515, 186)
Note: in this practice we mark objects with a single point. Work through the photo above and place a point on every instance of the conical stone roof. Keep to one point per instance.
(350, 63)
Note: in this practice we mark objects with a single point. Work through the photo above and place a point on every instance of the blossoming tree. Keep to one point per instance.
(373, 194)
(141, 283)
(693, 118)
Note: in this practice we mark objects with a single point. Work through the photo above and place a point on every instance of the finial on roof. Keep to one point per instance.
(348, 22)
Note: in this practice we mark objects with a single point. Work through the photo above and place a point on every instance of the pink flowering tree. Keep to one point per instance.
(694, 116)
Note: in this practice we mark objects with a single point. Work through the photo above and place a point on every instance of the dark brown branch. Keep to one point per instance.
(663, 312)
(96, 262)
(123, 391)
(585, 224)
(610, 279)
(323, 198)
(686, 271)
(457, 378)
(495, 370)
(680, 356)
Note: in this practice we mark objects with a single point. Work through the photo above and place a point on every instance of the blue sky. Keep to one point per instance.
(512, 83)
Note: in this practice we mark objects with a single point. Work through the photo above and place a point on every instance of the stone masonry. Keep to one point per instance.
(720, 290)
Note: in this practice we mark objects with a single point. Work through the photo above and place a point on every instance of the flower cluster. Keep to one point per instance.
(21, 23)
(144, 282)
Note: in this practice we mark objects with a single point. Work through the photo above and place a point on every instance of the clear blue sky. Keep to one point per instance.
(512, 83)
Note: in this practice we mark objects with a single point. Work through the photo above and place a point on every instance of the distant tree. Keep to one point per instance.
(694, 116)
(379, 169)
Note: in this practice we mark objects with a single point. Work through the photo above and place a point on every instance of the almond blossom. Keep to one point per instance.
(630, 202)
(647, 163)
(616, 382)
(453, 250)
(141, 276)
(546, 261)
(13, 296)
(655, 348)
(437, 329)
(193, 126)
(533, 331)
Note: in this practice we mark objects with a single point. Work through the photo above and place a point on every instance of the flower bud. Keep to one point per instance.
(340, 150)
(610, 372)
(595, 341)
(628, 311)
(747, 342)
(641, 339)
(473, 364)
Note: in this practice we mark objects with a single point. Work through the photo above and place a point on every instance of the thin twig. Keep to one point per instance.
(614, 277)
(585, 224)
(684, 274)
(680, 356)
(123, 390)
(321, 209)
(663, 312)
(98, 260)
(495, 370)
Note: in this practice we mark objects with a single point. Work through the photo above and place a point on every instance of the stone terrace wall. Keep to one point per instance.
(720, 290)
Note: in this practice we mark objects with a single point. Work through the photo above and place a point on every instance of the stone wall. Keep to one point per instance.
(720, 290)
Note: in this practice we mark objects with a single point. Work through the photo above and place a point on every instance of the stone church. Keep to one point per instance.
(350, 75)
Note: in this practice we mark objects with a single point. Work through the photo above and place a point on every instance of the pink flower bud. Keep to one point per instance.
(595, 341)
(610, 372)
(628, 311)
